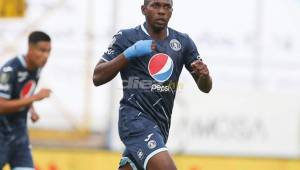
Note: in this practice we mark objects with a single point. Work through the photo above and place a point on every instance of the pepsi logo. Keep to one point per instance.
(28, 89)
(160, 67)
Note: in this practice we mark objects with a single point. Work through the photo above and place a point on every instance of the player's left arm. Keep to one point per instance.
(196, 66)
(201, 76)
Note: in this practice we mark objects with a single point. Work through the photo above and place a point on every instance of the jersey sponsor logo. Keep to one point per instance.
(175, 45)
(161, 88)
(4, 81)
(4, 78)
(160, 67)
(28, 89)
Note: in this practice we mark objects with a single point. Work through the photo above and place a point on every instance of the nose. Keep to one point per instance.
(45, 55)
(162, 11)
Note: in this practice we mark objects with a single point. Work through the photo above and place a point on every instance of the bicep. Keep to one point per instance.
(3, 103)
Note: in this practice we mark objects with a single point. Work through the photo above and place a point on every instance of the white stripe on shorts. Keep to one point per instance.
(22, 168)
(128, 160)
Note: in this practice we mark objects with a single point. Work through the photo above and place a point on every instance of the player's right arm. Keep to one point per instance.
(11, 106)
(107, 70)
(7, 85)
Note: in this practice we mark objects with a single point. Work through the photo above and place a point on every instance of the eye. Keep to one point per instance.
(155, 5)
(167, 7)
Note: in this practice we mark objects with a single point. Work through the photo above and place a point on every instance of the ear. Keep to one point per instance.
(143, 8)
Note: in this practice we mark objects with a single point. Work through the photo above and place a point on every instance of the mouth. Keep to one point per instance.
(161, 21)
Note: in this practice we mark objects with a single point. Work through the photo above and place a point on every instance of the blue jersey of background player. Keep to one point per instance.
(18, 79)
(150, 59)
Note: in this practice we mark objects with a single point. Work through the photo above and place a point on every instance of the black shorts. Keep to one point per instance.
(15, 150)
(141, 137)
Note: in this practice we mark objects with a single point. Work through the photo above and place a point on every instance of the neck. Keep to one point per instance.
(156, 34)
(29, 64)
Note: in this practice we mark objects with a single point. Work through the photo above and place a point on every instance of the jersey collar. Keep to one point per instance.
(146, 32)
(22, 60)
(23, 63)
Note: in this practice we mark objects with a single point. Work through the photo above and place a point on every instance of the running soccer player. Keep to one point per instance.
(150, 58)
(18, 79)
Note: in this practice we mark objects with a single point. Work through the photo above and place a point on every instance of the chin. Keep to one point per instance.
(40, 65)
(159, 27)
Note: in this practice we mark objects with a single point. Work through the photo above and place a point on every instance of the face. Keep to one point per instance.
(38, 53)
(158, 13)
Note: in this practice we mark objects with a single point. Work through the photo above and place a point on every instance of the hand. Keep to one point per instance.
(200, 69)
(139, 49)
(43, 93)
(34, 117)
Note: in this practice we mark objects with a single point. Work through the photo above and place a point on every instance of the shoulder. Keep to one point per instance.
(129, 30)
(8, 72)
(184, 38)
(129, 33)
(125, 37)
(11, 65)
(179, 34)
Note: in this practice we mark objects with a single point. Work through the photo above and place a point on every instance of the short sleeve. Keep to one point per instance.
(116, 47)
(6, 82)
(190, 54)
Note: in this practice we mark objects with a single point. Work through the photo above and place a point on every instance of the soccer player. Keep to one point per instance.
(150, 58)
(18, 79)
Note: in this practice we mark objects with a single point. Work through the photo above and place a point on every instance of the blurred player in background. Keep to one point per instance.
(150, 58)
(18, 79)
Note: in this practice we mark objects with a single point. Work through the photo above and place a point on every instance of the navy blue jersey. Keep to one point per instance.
(150, 82)
(16, 82)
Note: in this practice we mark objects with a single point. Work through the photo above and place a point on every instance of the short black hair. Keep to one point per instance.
(37, 36)
(146, 2)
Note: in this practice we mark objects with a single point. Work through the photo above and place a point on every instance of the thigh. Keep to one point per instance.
(21, 156)
(161, 161)
(126, 167)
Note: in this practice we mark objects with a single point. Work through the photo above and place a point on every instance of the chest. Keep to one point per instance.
(24, 84)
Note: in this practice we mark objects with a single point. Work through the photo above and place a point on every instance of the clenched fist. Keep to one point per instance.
(43, 93)
(200, 69)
